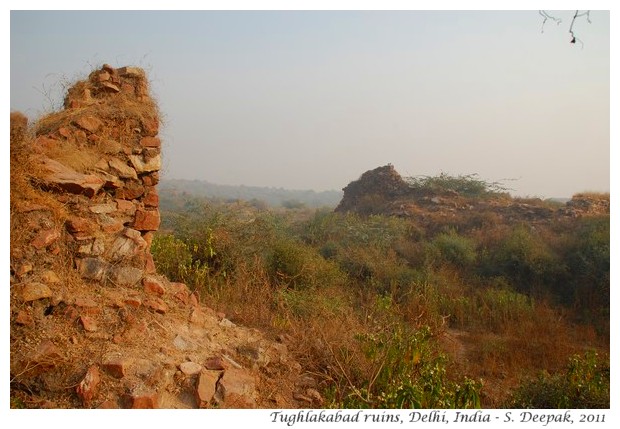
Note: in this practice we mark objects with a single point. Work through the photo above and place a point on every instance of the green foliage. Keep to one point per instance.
(456, 249)
(468, 185)
(584, 384)
(523, 257)
(406, 370)
(175, 259)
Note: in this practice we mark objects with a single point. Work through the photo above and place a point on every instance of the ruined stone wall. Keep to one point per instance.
(113, 203)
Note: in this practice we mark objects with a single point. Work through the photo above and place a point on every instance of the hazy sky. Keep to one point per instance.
(312, 99)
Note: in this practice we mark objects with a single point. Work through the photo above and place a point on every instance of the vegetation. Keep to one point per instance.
(388, 313)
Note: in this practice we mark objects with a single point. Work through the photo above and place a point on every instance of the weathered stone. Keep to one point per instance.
(215, 363)
(44, 144)
(110, 87)
(89, 386)
(151, 179)
(145, 166)
(149, 264)
(206, 388)
(147, 220)
(87, 306)
(150, 142)
(79, 224)
(153, 285)
(197, 317)
(135, 72)
(24, 318)
(103, 76)
(44, 238)
(133, 301)
(156, 304)
(237, 389)
(131, 191)
(88, 324)
(181, 343)
(110, 225)
(103, 208)
(45, 357)
(116, 366)
(180, 291)
(64, 132)
(122, 169)
(49, 276)
(126, 207)
(62, 177)
(124, 276)
(144, 399)
(92, 268)
(34, 291)
(123, 248)
(191, 368)
(151, 197)
(110, 146)
(89, 123)
(315, 396)
(23, 269)
(150, 126)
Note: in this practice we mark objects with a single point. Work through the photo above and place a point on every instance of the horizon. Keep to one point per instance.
(312, 99)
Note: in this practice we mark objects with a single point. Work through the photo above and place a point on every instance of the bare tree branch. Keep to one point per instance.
(574, 39)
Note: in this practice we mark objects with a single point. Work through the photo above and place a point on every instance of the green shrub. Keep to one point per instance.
(584, 384)
(456, 249)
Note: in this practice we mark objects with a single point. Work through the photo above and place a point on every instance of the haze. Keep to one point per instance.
(311, 100)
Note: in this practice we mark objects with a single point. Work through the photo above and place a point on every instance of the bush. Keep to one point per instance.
(456, 249)
(584, 384)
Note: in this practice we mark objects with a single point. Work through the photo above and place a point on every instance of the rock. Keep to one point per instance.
(153, 285)
(124, 248)
(133, 301)
(121, 169)
(150, 126)
(23, 269)
(134, 72)
(110, 87)
(236, 389)
(191, 368)
(180, 291)
(151, 197)
(315, 396)
(89, 386)
(110, 225)
(24, 318)
(156, 304)
(143, 398)
(181, 343)
(150, 142)
(116, 366)
(197, 317)
(102, 208)
(44, 238)
(80, 225)
(151, 179)
(92, 268)
(144, 166)
(49, 276)
(110, 146)
(215, 363)
(88, 123)
(61, 177)
(34, 291)
(87, 305)
(131, 191)
(45, 357)
(88, 324)
(124, 276)
(206, 388)
(147, 220)
(226, 323)
(125, 207)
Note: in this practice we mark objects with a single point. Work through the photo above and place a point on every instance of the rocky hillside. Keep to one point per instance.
(92, 323)
(384, 191)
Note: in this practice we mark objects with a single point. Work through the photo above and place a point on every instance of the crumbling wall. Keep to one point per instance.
(113, 203)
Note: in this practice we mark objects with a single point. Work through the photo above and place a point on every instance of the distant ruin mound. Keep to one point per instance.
(382, 191)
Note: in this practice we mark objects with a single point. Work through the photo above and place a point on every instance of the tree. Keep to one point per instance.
(578, 14)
